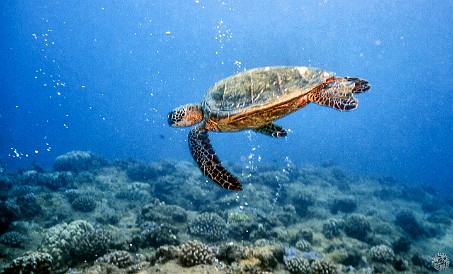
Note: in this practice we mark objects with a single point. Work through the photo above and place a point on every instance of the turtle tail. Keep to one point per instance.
(203, 153)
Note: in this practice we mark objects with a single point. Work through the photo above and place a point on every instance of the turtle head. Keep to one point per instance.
(186, 115)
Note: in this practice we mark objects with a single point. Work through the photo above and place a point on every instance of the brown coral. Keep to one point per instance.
(195, 253)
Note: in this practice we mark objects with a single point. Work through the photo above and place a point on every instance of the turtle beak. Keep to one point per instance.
(171, 118)
(361, 85)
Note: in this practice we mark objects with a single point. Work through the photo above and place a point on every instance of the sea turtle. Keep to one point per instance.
(253, 100)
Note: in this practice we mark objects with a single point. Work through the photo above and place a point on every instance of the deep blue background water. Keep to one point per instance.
(102, 76)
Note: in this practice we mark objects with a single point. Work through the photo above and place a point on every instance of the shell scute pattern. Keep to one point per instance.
(260, 88)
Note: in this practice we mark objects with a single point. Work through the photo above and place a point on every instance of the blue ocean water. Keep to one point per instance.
(102, 76)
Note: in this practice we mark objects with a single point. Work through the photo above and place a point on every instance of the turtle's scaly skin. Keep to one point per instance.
(253, 100)
(207, 160)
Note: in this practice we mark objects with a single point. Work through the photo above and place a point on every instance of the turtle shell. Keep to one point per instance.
(261, 89)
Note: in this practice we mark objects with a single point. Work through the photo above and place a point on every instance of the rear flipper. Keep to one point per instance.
(272, 130)
(338, 93)
(207, 160)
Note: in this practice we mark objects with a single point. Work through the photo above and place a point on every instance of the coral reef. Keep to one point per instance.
(332, 228)
(241, 226)
(401, 264)
(77, 161)
(90, 245)
(301, 201)
(266, 254)
(423, 261)
(32, 262)
(84, 204)
(135, 194)
(8, 213)
(305, 234)
(142, 172)
(338, 174)
(296, 265)
(357, 226)
(13, 239)
(28, 205)
(136, 216)
(252, 258)
(22, 190)
(58, 242)
(312, 256)
(431, 205)
(72, 194)
(382, 253)
(108, 219)
(194, 253)
(402, 245)
(57, 180)
(161, 212)
(209, 226)
(271, 176)
(407, 221)
(121, 259)
(154, 235)
(303, 245)
(6, 182)
(166, 252)
(346, 255)
(323, 267)
(440, 217)
(346, 205)
(31, 177)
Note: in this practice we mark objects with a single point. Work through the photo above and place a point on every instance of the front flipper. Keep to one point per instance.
(338, 93)
(207, 160)
(272, 130)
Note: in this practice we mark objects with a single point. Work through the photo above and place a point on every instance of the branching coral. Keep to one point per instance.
(208, 225)
(346, 205)
(154, 235)
(8, 213)
(357, 226)
(301, 201)
(77, 161)
(58, 242)
(303, 245)
(407, 221)
(296, 264)
(121, 259)
(323, 267)
(194, 253)
(6, 182)
(90, 245)
(56, 180)
(382, 253)
(84, 204)
(33, 262)
(161, 212)
(332, 228)
(13, 239)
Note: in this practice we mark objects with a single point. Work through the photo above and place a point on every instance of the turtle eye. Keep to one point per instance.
(329, 85)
